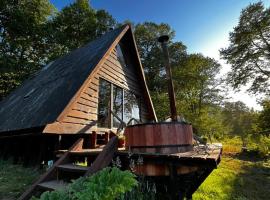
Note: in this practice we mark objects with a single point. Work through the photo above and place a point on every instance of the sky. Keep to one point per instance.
(202, 25)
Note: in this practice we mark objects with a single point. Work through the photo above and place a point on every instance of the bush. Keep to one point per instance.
(261, 144)
(108, 184)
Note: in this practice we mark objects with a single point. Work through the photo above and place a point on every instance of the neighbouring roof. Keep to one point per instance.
(42, 98)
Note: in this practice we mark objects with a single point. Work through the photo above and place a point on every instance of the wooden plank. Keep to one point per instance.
(88, 98)
(112, 80)
(130, 76)
(88, 102)
(129, 69)
(53, 185)
(85, 107)
(122, 77)
(70, 128)
(113, 70)
(95, 80)
(105, 157)
(74, 120)
(91, 92)
(82, 115)
(73, 168)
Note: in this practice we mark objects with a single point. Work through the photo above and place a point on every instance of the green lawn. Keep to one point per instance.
(239, 176)
(237, 179)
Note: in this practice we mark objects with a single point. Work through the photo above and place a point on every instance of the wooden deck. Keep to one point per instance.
(209, 154)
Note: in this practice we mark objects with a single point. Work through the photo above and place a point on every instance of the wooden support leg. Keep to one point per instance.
(93, 140)
(175, 194)
(106, 138)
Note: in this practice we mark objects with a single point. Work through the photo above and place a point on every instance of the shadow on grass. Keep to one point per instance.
(253, 181)
(251, 156)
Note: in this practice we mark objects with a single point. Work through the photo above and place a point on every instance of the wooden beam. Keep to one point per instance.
(69, 128)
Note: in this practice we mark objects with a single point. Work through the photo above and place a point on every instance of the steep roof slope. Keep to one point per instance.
(42, 98)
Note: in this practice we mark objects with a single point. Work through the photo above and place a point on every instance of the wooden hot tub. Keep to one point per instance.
(163, 137)
(159, 138)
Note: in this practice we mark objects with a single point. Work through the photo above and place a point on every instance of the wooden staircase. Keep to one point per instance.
(65, 168)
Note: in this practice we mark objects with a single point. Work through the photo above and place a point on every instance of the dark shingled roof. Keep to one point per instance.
(42, 98)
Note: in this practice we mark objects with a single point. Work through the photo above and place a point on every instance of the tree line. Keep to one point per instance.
(33, 33)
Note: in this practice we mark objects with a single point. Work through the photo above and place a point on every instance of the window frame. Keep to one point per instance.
(111, 117)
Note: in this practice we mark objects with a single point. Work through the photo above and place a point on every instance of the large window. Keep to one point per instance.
(123, 103)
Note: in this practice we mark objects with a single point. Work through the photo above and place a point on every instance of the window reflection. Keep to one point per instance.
(131, 107)
(117, 105)
(125, 105)
(104, 103)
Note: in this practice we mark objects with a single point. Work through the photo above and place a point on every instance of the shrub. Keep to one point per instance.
(108, 184)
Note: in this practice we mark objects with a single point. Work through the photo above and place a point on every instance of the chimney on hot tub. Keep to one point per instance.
(164, 44)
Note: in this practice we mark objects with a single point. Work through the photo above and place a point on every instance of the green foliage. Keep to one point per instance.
(146, 190)
(22, 35)
(261, 144)
(249, 49)
(151, 54)
(240, 119)
(32, 33)
(75, 25)
(108, 184)
(264, 117)
(14, 179)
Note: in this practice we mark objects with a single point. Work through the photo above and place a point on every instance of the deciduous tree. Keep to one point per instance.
(249, 50)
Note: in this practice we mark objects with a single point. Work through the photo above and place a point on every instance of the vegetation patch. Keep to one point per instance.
(14, 179)
(107, 184)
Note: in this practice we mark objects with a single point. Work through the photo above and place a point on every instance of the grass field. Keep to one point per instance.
(238, 177)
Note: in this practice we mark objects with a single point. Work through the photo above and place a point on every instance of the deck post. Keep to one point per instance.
(93, 140)
(175, 194)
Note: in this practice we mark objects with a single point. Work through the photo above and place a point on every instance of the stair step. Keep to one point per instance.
(73, 168)
(52, 185)
(87, 152)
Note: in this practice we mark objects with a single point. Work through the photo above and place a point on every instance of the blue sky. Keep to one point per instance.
(202, 25)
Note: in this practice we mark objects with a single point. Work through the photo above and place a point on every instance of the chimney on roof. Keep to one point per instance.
(164, 41)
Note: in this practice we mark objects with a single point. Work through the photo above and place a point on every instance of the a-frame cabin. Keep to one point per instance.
(78, 101)
(73, 95)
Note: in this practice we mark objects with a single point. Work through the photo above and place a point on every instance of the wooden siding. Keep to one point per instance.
(84, 109)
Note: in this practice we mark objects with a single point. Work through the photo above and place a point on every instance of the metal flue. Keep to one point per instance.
(164, 41)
